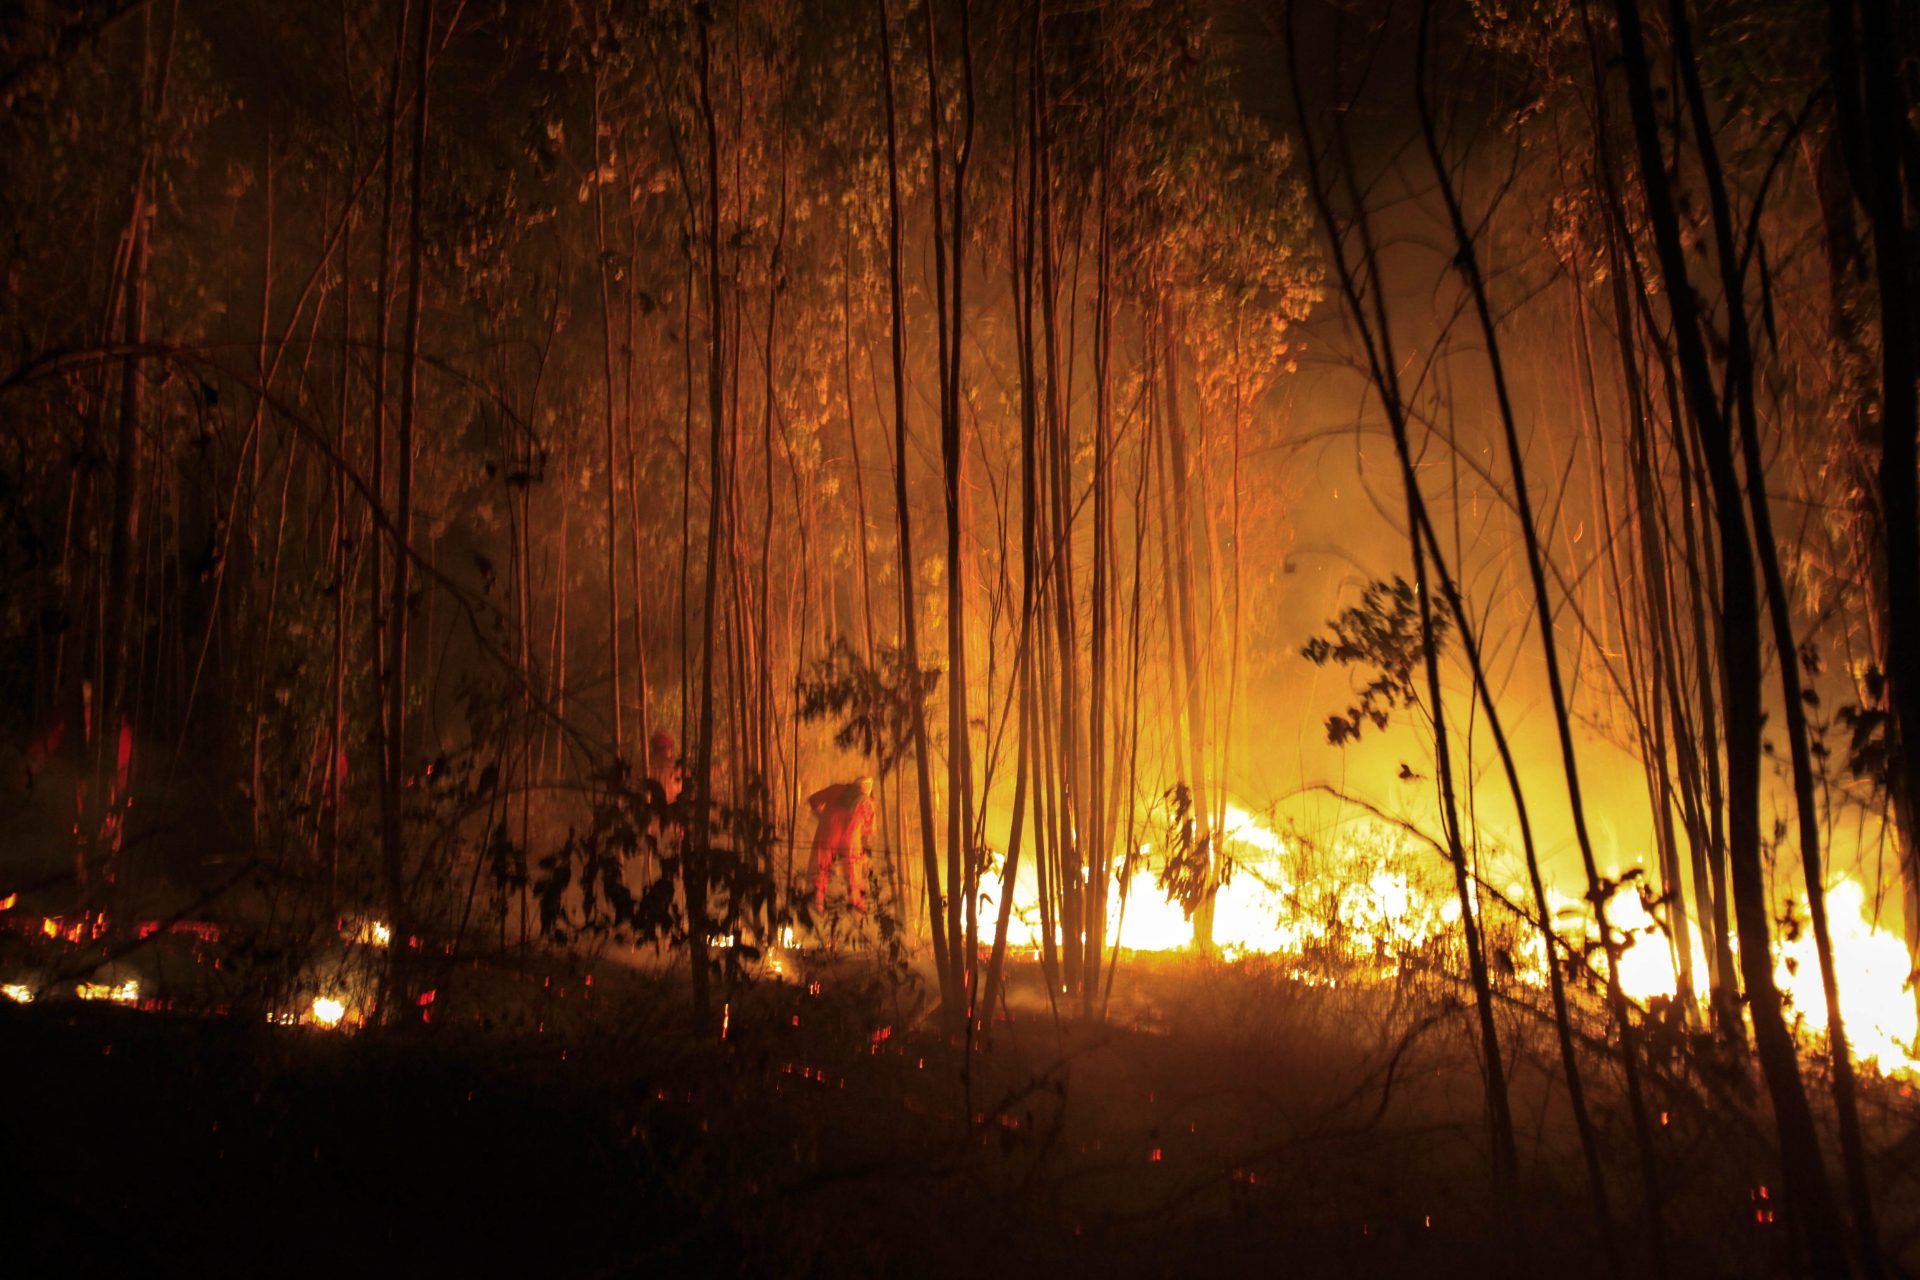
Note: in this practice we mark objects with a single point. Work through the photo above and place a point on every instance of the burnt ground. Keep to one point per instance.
(1225, 1120)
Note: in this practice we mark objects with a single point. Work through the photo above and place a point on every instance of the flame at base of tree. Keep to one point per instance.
(1369, 908)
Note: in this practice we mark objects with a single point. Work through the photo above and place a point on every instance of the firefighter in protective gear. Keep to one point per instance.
(846, 812)
(663, 766)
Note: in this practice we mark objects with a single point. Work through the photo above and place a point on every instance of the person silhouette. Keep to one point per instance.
(846, 811)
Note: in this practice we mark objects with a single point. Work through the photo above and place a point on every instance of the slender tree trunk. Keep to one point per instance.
(1740, 371)
(262, 371)
(377, 603)
(1194, 695)
(776, 280)
(129, 478)
(640, 602)
(684, 625)
(337, 549)
(392, 834)
(695, 873)
(949, 277)
(1376, 336)
(1873, 104)
(601, 163)
(1466, 259)
(1809, 1192)
(944, 943)
(1099, 842)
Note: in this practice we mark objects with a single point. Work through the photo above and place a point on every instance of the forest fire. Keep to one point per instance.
(1368, 924)
(370, 933)
(723, 584)
(1877, 1000)
(127, 992)
(1263, 908)
(328, 1012)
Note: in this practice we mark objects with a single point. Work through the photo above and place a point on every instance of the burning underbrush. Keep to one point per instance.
(227, 969)
(1374, 902)
(1311, 1091)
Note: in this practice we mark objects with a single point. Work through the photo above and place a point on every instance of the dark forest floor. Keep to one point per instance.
(1226, 1120)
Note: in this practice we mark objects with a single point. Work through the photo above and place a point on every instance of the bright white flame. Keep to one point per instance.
(1243, 828)
(328, 1011)
(1646, 963)
(1247, 911)
(1370, 908)
(1871, 968)
(1870, 965)
(17, 992)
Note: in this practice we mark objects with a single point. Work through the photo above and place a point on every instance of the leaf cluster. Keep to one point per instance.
(1184, 875)
(584, 888)
(1382, 636)
(871, 705)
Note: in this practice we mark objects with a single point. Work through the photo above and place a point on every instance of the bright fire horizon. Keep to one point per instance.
(1383, 910)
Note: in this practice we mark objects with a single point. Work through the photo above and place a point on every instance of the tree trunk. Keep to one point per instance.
(1194, 694)
(943, 941)
(1809, 1192)
(695, 861)
(1376, 337)
(1466, 260)
(602, 258)
(1873, 107)
(392, 846)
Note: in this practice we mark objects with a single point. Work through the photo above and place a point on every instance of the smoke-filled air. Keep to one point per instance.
(950, 637)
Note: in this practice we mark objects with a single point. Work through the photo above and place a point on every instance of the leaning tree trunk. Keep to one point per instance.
(1376, 337)
(1467, 262)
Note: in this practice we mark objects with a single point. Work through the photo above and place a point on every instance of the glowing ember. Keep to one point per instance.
(76, 932)
(127, 992)
(373, 933)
